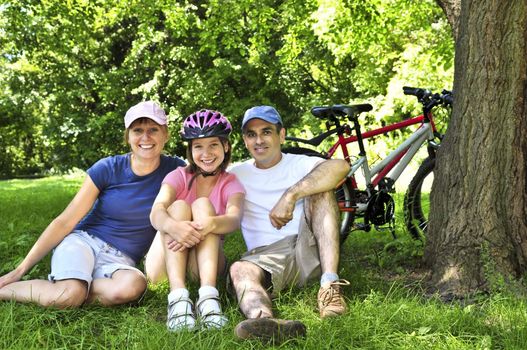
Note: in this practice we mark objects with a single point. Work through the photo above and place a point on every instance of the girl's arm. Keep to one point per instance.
(228, 222)
(59, 228)
(181, 231)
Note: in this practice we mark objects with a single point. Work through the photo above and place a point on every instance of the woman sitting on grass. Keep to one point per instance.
(105, 230)
(200, 201)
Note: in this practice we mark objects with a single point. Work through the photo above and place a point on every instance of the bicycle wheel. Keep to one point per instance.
(344, 194)
(417, 199)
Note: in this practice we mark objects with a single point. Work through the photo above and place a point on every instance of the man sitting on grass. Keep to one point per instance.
(290, 227)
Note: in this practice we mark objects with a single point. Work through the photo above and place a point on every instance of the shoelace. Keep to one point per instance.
(332, 294)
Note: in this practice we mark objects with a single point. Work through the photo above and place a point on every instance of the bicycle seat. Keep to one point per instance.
(329, 112)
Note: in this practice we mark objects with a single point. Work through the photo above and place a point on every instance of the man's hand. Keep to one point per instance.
(282, 212)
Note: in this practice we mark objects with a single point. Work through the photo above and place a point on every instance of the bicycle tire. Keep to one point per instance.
(417, 204)
(344, 194)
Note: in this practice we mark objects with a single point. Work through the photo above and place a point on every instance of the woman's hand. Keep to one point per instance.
(10, 277)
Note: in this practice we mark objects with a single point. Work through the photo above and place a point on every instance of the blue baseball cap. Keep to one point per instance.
(267, 113)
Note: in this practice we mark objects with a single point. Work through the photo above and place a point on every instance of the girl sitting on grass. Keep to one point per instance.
(195, 206)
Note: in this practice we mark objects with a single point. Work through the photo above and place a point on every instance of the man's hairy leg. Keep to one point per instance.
(323, 216)
(248, 281)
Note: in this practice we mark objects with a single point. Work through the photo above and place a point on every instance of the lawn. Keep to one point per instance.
(387, 306)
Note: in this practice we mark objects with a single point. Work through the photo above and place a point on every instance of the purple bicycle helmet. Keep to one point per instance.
(205, 123)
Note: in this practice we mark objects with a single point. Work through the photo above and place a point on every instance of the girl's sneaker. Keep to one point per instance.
(180, 312)
(208, 309)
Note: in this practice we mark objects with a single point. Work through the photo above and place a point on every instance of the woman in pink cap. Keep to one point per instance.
(105, 230)
(195, 207)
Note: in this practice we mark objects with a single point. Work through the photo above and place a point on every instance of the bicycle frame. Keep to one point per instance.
(397, 160)
(373, 202)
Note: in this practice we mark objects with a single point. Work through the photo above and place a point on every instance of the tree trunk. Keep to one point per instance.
(451, 9)
(478, 224)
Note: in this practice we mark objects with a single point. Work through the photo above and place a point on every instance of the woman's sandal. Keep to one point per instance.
(210, 319)
(180, 320)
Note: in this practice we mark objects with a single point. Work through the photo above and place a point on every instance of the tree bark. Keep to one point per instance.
(451, 8)
(478, 220)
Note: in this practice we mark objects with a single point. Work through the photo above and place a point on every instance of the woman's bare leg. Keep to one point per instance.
(125, 286)
(60, 294)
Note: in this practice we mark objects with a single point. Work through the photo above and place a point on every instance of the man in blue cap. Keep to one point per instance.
(290, 227)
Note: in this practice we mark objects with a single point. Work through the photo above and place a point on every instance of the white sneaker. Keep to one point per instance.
(181, 315)
(209, 312)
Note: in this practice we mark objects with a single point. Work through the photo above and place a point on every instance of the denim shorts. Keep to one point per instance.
(85, 257)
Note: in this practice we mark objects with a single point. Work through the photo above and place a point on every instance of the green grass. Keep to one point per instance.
(388, 309)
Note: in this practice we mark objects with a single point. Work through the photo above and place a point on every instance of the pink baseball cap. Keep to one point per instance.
(145, 109)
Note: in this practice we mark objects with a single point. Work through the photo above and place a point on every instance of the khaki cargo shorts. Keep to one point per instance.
(291, 261)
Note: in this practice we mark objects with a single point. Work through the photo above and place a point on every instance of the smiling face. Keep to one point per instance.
(146, 138)
(208, 153)
(263, 141)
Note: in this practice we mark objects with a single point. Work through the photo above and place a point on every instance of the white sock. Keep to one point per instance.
(177, 294)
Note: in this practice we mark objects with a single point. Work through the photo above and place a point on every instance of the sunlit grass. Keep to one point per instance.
(387, 306)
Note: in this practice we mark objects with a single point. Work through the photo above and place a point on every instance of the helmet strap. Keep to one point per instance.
(209, 174)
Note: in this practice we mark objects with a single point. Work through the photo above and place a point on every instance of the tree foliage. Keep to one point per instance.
(69, 70)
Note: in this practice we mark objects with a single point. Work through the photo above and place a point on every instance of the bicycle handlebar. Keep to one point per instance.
(448, 98)
(428, 99)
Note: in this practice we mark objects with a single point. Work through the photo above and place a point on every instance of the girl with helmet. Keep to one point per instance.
(195, 206)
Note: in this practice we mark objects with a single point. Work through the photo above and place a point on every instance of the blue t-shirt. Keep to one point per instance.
(120, 215)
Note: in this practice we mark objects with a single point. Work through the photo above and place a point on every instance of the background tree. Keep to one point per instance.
(478, 228)
(69, 70)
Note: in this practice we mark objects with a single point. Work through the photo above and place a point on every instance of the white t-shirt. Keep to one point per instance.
(264, 187)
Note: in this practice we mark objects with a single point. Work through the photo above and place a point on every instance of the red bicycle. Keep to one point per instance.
(373, 203)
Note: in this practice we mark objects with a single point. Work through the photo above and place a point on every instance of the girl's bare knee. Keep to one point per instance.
(201, 201)
(202, 207)
(179, 209)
